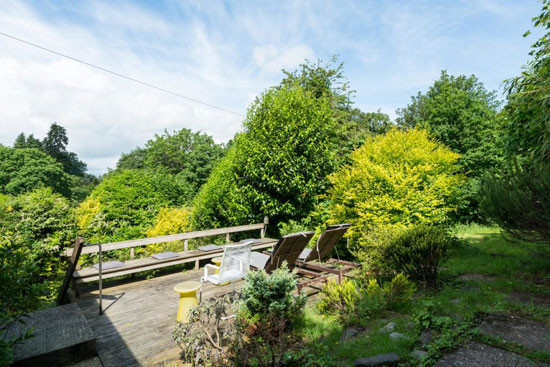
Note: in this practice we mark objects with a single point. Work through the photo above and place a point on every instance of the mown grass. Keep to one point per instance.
(477, 278)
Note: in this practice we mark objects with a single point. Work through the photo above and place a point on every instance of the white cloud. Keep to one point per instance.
(271, 59)
(226, 54)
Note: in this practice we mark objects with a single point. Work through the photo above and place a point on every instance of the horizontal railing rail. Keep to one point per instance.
(94, 248)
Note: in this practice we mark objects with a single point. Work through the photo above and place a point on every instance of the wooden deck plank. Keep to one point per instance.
(136, 328)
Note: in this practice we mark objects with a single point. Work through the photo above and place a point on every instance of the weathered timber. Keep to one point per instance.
(169, 238)
(133, 266)
(73, 262)
(61, 337)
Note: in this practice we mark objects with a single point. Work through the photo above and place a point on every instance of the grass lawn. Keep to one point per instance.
(487, 273)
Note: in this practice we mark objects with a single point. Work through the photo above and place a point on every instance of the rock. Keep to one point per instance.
(481, 355)
(388, 328)
(419, 354)
(426, 337)
(528, 333)
(388, 359)
(351, 332)
(397, 336)
(456, 301)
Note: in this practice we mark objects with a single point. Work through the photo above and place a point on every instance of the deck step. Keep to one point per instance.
(61, 337)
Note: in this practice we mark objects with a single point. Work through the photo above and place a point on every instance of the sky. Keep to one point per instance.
(226, 53)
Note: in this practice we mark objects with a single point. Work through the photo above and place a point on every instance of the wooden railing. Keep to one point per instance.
(92, 248)
(80, 248)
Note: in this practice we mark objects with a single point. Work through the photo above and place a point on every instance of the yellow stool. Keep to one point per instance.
(188, 299)
(218, 261)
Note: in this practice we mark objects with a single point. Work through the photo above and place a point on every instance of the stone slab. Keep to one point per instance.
(387, 360)
(528, 333)
(61, 337)
(481, 355)
(92, 362)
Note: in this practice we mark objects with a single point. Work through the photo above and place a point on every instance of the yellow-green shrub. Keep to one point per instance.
(394, 181)
(169, 221)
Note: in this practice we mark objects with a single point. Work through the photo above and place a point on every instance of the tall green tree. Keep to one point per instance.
(189, 156)
(277, 166)
(518, 199)
(459, 112)
(55, 144)
(528, 107)
(23, 170)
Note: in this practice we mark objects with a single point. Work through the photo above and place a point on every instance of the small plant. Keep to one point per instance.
(266, 294)
(418, 253)
(339, 298)
(208, 338)
(352, 300)
(268, 313)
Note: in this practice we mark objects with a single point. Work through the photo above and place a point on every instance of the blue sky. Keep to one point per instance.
(226, 53)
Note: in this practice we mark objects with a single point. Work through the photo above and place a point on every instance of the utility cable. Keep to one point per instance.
(120, 75)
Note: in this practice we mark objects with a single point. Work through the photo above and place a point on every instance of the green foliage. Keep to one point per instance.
(168, 221)
(125, 204)
(188, 156)
(23, 170)
(528, 107)
(45, 223)
(462, 114)
(55, 145)
(518, 200)
(418, 252)
(396, 180)
(266, 294)
(20, 292)
(267, 318)
(353, 301)
(276, 167)
(339, 299)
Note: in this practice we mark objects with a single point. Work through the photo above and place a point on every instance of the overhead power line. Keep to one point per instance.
(120, 75)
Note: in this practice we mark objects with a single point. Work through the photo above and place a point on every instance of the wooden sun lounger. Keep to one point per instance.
(318, 258)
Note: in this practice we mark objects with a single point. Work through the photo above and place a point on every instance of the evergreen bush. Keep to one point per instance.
(418, 253)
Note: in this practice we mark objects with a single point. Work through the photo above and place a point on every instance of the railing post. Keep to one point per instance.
(131, 253)
(100, 280)
(264, 229)
(185, 245)
(73, 264)
(227, 238)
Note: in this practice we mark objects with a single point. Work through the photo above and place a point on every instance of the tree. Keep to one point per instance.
(528, 107)
(55, 144)
(327, 80)
(395, 180)
(518, 200)
(462, 114)
(277, 166)
(23, 170)
(190, 156)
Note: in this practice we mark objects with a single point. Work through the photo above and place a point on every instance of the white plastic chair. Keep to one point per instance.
(234, 266)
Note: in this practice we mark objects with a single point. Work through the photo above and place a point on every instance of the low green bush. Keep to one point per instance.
(418, 253)
(266, 294)
(354, 300)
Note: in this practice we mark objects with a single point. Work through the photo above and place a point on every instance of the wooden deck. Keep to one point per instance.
(139, 316)
(136, 327)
